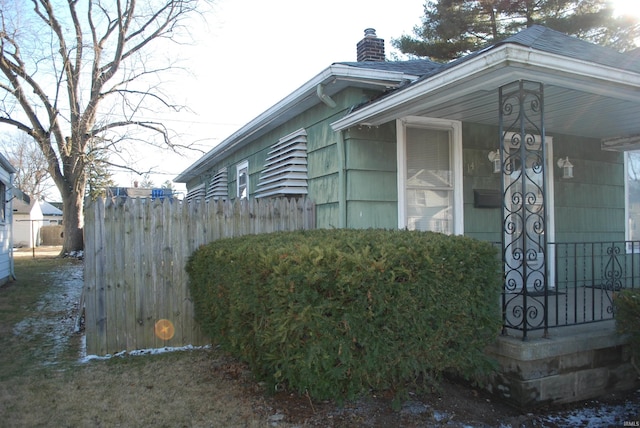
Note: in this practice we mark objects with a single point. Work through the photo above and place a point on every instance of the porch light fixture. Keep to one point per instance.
(495, 158)
(567, 167)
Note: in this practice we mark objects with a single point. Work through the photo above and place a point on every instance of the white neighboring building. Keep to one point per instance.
(27, 221)
(7, 173)
(51, 214)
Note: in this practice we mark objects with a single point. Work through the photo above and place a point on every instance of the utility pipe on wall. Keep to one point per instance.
(342, 181)
(324, 97)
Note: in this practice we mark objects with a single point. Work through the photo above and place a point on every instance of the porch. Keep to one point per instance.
(582, 283)
(559, 343)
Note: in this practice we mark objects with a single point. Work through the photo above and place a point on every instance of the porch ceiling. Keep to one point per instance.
(580, 98)
(567, 111)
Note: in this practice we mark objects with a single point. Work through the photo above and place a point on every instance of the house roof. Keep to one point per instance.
(333, 79)
(23, 204)
(49, 209)
(418, 67)
(552, 41)
(6, 165)
(545, 39)
(589, 90)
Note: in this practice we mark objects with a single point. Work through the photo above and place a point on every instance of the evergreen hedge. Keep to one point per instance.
(336, 313)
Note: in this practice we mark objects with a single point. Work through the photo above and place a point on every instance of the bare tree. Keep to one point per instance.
(77, 71)
(33, 176)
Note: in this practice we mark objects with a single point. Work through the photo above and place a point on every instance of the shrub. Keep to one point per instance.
(334, 313)
(627, 304)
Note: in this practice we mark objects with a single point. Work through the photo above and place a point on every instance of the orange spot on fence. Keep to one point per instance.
(164, 329)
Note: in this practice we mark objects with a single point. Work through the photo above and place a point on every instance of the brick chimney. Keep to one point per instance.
(371, 48)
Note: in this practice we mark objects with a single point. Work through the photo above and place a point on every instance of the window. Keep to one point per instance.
(632, 194)
(218, 186)
(430, 175)
(242, 180)
(285, 170)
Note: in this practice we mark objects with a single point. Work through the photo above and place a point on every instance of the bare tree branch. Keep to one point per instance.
(56, 93)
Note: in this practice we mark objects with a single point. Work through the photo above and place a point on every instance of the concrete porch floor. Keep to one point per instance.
(571, 363)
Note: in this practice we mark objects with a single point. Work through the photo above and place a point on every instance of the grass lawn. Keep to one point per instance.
(45, 382)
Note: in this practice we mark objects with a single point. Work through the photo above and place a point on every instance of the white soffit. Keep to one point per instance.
(492, 69)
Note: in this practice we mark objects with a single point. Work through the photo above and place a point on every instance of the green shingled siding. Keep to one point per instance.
(371, 214)
(371, 179)
(588, 207)
(321, 155)
(477, 142)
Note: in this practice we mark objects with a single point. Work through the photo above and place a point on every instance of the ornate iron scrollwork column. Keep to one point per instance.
(522, 151)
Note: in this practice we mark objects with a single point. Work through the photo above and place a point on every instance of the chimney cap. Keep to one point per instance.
(370, 32)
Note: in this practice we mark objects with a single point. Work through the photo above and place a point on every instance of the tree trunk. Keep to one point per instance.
(73, 222)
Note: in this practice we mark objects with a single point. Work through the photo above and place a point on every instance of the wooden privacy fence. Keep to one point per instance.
(135, 286)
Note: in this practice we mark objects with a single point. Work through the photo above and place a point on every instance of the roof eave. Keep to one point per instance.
(261, 123)
(4, 162)
(498, 66)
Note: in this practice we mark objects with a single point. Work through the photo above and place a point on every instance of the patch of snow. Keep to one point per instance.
(414, 408)
(598, 416)
(155, 351)
(53, 320)
(75, 254)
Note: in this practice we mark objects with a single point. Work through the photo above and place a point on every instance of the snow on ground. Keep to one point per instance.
(54, 322)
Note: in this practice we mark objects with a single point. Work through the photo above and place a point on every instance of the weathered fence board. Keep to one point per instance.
(135, 254)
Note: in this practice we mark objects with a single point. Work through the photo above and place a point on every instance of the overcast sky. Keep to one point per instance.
(249, 54)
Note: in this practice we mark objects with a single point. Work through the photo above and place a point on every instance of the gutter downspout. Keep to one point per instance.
(342, 182)
(324, 97)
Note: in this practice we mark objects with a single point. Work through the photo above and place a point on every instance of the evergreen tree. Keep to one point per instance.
(453, 28)
(147, 182)
(99, 177)
(168, 185)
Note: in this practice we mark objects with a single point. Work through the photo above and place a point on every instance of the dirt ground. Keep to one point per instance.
(42, 251)
(46, 380)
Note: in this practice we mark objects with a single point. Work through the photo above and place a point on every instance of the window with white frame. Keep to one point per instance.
(242, 180)
(632, 194)
(285, 170)
(430, 175)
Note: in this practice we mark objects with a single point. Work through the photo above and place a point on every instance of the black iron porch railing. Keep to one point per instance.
(582, 283)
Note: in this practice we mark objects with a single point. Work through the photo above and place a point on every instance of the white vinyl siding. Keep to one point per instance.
(3, 202)
(285, 170)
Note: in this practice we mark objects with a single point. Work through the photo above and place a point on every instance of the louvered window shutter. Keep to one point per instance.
(285, 170)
